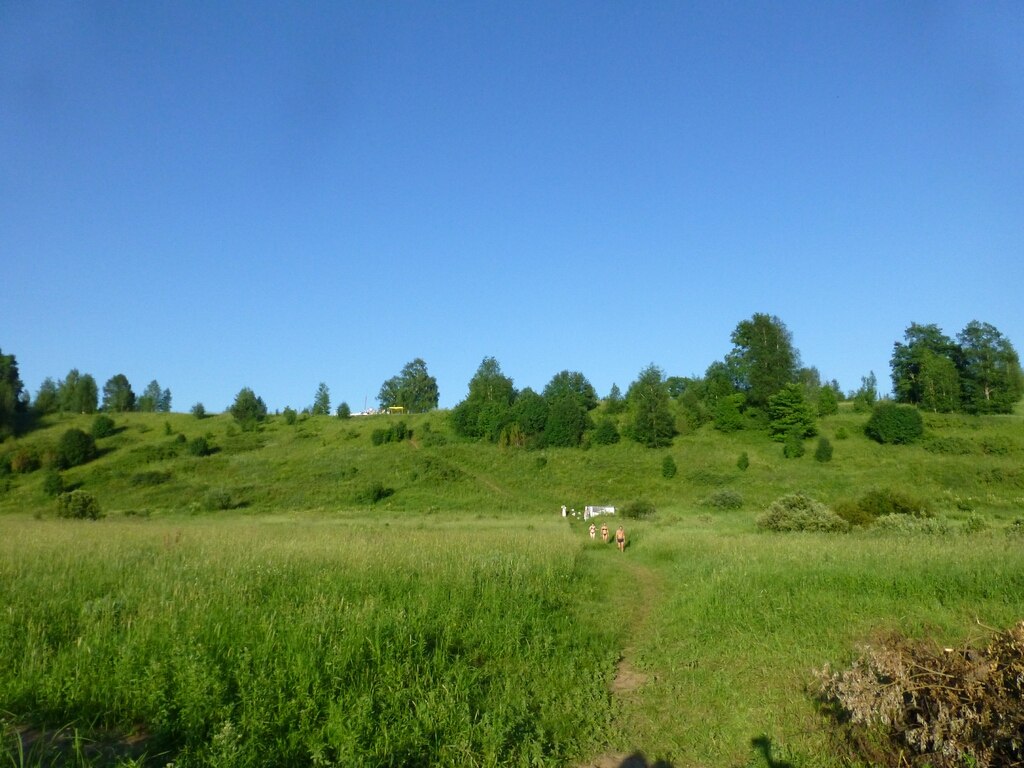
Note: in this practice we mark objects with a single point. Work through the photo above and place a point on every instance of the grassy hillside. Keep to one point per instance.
(964, 464)
(254, 607)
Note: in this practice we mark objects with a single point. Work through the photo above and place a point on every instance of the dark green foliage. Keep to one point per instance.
(78, 393)
(11, 403)
(47, 398)
(486, 411)
(78, 505)
(248, 409)
(790, 414)
(997, 445)
(149, 478)
(117, 394)
(651, 422)
(321, 401)
(606, 433)
(53, 483)
(728, 414)
(374, 492)
(199, 446)
(571, 384)
(102, 426)
(841, 433)
(763, 359)
(879, 502)
(894, 423)
(199, 411)
(530, 414)
(413, 389)
(793, 446)
(743, 462)
(799, 512)
(395, 433)
(218, 499)
(915, 363)
(343, 411)
(640, 509)
(154, 400)
(290, 416)
(823, 452)
(724, 499)
(565, 424)
(668, 467)
(75, 447)
(991, 377)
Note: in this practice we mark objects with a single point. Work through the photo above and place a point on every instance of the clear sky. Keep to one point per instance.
(230, 194)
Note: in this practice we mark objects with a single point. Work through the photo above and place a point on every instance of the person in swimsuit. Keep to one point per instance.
(620, 539)
(593, 531)
(604, 532)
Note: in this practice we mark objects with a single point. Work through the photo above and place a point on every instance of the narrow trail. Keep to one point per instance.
(644, 587)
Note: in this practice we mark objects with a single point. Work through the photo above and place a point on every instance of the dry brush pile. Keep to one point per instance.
(906, 703)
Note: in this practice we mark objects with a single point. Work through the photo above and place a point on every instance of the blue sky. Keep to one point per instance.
(221, 195)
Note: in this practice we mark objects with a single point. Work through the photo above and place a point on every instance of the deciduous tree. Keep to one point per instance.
(248, 409)
(118, 396)
(990, 372)
(413, 389)
(322, 401)
(763, 358)
(10, 394)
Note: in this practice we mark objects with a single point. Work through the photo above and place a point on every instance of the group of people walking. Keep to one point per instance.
(620, 535)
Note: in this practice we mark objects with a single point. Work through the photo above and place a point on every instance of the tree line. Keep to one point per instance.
(761, 383)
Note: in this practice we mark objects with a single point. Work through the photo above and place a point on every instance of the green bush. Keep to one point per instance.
(78, 505)
(53, 483)
(395, 433)
(841, 433)
(724, 499)
(290, 416)
(75, 447)
(823, 452)
(668, 468)
(852, 512)
(374, 492)
(793, 447)
(605, 433)
(102, 426)
(199, 446)
(743, 462)
(879, 502)
(894, 423)
(638, 510)
(199, 411)
(975, 523)
(799, 512)
(906, 525)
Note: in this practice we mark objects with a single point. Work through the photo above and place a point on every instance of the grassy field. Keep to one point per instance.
(252, 608)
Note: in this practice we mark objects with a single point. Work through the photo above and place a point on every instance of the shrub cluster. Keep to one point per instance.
(374, 492)
(102, 426)
(638, 510)
(910, 526)
(725, 498)
(883, 502)
(199, 446)
(668, 468)
(75, 447)
(894, 423)
(936, 706)
(79, 505)
(396, 433)
(799, 512)
(949, 446)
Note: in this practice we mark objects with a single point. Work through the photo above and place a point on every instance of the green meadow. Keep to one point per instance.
(302, 596)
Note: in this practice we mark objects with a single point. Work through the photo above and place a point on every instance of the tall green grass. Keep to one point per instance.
(254, 643)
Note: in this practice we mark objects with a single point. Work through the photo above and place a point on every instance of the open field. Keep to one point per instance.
(461, 620)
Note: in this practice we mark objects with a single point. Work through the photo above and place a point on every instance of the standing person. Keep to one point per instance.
(593, 531)
(620, 539)
(604, 532)
(563, 510)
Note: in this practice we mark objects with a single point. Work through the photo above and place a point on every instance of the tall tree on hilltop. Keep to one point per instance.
(913, 364)
(118, 396)
(763, 358)
(488, 406)
(990, 372)
(78, 393)
(11, 402)
(153, 399)
(413, 389)
(321, 401)
(651, 422)
(47, 398)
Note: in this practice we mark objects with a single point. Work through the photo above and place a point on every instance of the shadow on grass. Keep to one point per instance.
(764, 745)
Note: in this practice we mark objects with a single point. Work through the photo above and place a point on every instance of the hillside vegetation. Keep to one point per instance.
(963, 464)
